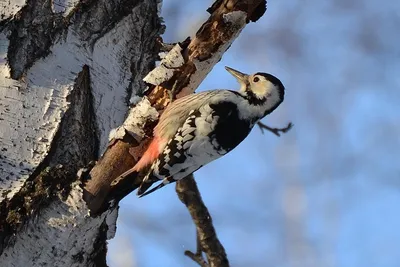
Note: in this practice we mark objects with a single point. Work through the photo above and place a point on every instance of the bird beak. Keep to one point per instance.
(241, 77)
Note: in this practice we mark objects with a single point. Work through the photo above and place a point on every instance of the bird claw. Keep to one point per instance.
(275, 131)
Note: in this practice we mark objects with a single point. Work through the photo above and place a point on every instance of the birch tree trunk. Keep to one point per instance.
(68, 70)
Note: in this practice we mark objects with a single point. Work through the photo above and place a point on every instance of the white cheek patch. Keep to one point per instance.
(263, 89)
(270, 88)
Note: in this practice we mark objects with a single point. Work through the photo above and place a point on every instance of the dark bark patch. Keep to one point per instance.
(77, 141)
(92, 19)
(4, 23)
(100, 247)
(78, 257)
(258, 11)
(33, 30)
(35, 195)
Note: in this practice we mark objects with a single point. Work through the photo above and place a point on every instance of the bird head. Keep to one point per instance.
(260, 86)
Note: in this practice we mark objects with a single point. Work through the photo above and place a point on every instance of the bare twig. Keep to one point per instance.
(207, 238)
(275, 131)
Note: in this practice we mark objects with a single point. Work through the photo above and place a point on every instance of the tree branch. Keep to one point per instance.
(207, 240)
(186, 65)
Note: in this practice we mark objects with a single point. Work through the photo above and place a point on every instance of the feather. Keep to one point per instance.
(153, 151)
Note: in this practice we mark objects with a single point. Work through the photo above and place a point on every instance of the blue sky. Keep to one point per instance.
(326, 193)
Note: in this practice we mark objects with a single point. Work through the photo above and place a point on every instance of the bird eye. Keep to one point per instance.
(256, 79)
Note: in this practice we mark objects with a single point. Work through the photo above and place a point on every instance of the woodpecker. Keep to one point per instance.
(199, 128)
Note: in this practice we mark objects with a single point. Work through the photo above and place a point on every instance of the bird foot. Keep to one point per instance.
(275, 131)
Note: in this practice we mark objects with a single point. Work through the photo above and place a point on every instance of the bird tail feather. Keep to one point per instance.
(149, 181)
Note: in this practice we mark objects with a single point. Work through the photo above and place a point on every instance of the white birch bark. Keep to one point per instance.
(50, 116)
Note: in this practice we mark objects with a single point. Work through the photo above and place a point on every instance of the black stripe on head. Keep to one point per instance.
(253, 99)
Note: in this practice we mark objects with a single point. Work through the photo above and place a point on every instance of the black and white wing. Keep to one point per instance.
(209, 132)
